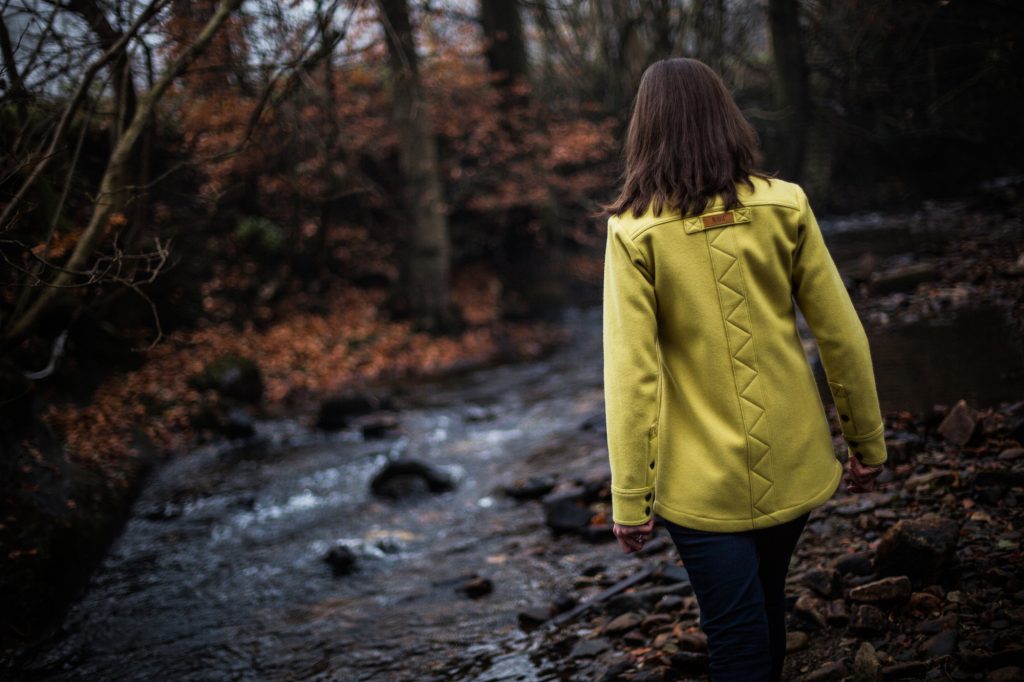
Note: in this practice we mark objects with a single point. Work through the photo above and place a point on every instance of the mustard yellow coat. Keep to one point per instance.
(714, 418)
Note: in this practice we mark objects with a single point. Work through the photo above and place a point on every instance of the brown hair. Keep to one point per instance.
(687, 142)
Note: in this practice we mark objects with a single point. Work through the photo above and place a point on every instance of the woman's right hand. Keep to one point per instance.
(860, 478)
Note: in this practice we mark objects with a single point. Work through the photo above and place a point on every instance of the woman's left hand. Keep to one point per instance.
(631, 538)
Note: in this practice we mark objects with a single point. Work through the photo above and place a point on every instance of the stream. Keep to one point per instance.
(220, 571)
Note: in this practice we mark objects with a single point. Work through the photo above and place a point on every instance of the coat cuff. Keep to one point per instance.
(868, 448)
(856, 411)
(632, 506)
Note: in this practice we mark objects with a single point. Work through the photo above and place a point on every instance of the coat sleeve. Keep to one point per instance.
(632, 377)
(842, 342)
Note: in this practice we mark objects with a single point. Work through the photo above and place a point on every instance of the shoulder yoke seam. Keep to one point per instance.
(633, 234)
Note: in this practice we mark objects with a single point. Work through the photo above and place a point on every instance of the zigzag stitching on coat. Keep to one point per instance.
(766, 448)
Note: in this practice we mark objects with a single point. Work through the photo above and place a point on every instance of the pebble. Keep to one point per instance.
(587, 648)
(869, 620)
(626, 621)
(811, 610)
(894, 589)
(941, 644)
(833, 670)
(796, 640)
(866, 667)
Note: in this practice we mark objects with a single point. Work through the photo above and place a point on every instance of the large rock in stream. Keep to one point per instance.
(402, 478)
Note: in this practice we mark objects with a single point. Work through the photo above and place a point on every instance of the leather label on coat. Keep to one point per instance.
(718, 219)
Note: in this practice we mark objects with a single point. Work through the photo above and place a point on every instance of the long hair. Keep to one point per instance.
(687, 142)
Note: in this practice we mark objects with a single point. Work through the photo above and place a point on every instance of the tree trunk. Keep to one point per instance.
(426, 271)
(792, 83)
(506, 51)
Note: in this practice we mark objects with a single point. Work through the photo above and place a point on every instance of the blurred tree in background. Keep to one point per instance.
(171, 165)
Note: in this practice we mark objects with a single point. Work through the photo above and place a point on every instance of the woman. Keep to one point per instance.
(715, 423)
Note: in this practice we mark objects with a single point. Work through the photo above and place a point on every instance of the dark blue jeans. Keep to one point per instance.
(739, 579)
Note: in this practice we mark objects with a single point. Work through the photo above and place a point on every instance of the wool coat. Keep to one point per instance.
(713, 416)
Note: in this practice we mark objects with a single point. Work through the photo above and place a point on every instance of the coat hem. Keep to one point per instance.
(762, 521)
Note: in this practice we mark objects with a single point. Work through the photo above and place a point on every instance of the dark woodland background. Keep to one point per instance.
(214, 212)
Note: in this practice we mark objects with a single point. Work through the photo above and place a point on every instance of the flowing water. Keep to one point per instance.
(219, 574)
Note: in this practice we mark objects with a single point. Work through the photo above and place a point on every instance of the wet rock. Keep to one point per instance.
(693, 641)
(863, 502)
(665, 641)
(567, 513)
(627, 621)
(796, 640)
(837, 613)
(674, 573)
(902, 446)
(602, 532)
(853, 563)
(478, 413)
(232, 376)
(811, 610)
(902, 277)
(596, 489)
(960, 424)
(866, 666)
(613, 673)
(670, 603)
(163, 512)
(991, 486)
(595, 422)
(922, 549)
(532, 488)
(634, 638)
(834, 670)
(563, 603)
(689, 662)
(905, 670)
(588, 648)
(924, 603)
(533, 616)
(1010, 656)
(868, 620)
(626, 601)
(824, 581)
(1011, 455)
(887, 590)
(928, 479)
(654, 620)
(475, 587)
(403, 478)
(337, 412)
(222, 419)
(643, 599)
(652, 674)
(655, 546)
(238, 424)
(341, 559)
(379, 425)
(941, 644)
(936, 625)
